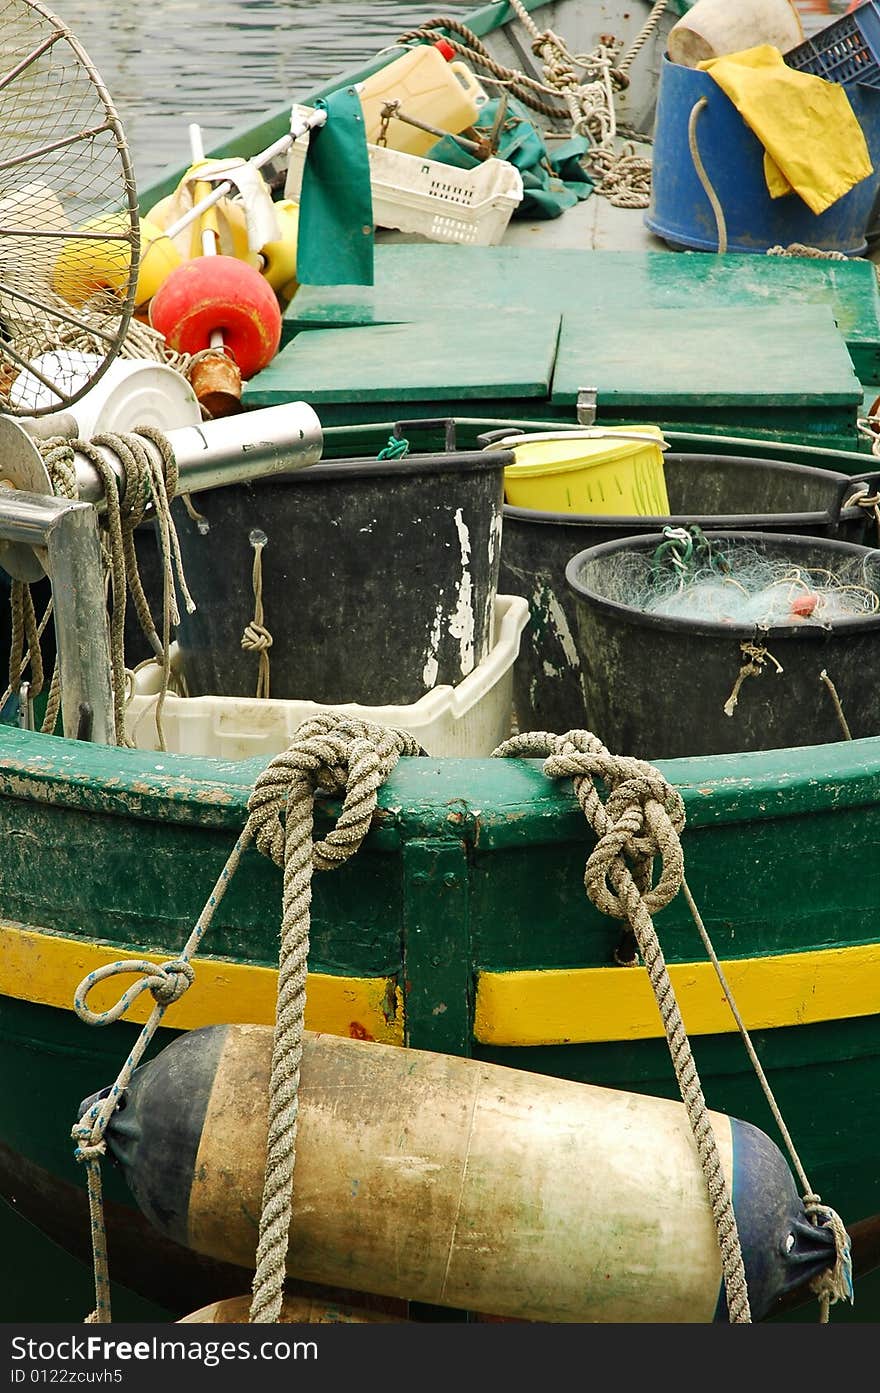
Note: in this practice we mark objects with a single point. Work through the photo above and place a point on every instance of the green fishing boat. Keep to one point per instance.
(461, 926)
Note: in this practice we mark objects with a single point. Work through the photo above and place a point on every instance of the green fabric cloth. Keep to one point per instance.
(551, 183)
(335, 237)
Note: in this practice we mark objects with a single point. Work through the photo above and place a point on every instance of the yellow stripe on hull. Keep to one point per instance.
(588, 1005)
(544, 1007)
(46, 969)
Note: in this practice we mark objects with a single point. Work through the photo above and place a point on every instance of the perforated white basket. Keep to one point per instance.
(466, 721)
(438, 201)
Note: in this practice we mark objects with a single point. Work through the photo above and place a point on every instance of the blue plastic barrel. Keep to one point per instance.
(733, 158)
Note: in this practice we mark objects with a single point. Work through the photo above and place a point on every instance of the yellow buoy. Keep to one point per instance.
(231, 225)
(159, 257)
(279, 258)
(85, 266)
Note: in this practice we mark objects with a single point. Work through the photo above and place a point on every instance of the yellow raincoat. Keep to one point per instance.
(813, 143)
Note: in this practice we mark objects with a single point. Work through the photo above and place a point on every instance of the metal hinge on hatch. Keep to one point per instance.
(586, 405)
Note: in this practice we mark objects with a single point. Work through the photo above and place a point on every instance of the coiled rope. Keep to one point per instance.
(641, 819)
(623, 177)
(333, 753)
(148, 483)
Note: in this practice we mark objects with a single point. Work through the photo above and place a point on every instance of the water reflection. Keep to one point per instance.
(167, 63)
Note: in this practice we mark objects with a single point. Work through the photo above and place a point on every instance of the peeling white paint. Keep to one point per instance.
(495, 527)
(432, 666)
(461, 622)
(556, 615)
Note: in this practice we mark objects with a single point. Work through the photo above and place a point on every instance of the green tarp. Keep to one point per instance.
(551, 183)
(335, 239)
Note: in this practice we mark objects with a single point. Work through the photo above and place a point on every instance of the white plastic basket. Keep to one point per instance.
(436, 200)
(466, 721)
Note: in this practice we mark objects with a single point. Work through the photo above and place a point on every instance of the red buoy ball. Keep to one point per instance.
(219, 293)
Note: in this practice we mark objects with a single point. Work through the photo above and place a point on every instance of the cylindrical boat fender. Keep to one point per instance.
(295, 1310)
(446, 1180)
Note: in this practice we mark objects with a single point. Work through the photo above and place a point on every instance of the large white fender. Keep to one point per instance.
(445, 1180)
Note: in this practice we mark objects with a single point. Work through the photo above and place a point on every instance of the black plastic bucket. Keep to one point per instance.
(656, 686)
(379, 578)
(715, 491)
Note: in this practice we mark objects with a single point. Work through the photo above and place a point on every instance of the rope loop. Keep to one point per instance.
(166, 981)
(335, 754)
(642, 817)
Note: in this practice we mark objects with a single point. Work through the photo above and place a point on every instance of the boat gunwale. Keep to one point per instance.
(487, 804)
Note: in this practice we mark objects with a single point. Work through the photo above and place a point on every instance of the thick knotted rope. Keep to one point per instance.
(340, 756)
(330, 752)
(640, 820)
(623, 177)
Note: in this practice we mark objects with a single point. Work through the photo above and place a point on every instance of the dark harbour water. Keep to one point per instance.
(222, 63)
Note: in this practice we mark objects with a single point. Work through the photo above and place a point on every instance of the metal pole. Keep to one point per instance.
(233, 450)
(69, 533)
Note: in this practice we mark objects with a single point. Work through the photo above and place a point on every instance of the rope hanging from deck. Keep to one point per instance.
(336, 754)
(622, 176)
(256, 637)
(342, 756)
(642, 818)
(148, 483)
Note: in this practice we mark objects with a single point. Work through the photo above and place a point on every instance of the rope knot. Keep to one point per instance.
(337, 754)
(836, 1283)
(171, 981)
(87, 1149)
(256, 638)
(641, 819)
(166, 981)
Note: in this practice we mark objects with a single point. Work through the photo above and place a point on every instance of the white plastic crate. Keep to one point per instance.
(466, 721)
(439, 201)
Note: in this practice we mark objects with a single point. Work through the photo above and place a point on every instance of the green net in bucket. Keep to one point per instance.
(691, 577)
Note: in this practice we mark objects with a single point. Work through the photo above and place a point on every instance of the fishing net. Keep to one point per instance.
(689, 576)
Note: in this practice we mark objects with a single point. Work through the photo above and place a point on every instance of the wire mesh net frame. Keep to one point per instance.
(69, 227)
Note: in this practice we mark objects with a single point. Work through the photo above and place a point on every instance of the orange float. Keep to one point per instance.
(219, 294)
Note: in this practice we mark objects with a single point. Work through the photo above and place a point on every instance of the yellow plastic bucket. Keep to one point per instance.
(614, 471)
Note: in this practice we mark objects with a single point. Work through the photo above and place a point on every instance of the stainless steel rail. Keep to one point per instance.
(67, 533)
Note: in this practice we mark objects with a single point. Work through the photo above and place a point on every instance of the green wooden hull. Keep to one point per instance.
(472, 878)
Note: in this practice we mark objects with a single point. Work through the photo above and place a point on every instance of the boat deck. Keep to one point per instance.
(705, 341)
